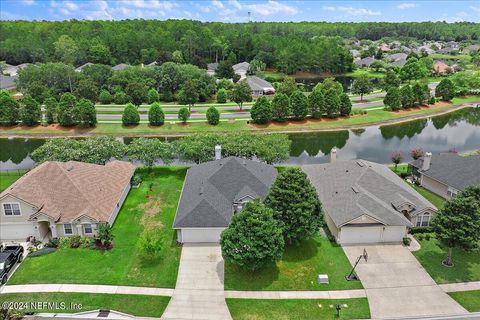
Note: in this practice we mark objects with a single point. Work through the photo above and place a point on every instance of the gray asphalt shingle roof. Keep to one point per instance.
(211, 188)
(258, 84)
(7, 82)
(452, 169)
(350, 189)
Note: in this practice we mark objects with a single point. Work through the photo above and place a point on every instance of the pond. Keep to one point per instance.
(458, 131)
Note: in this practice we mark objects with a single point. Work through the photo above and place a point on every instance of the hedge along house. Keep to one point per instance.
(214, 191)
(63, 199)
(365, 202)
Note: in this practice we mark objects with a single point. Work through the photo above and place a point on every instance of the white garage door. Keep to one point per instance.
(352, 235)
(201, 235)
(16, 231)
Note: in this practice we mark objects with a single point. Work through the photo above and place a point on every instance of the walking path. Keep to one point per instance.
(460, 286)
(398, 286)
(337, 294)
(199, 290)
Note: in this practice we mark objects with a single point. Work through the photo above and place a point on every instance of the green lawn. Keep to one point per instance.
(298, 270)
(123, 265)
(138, 305)
(7, 178)
(466, 264)
(470, 300)
(370, 73)
(297, 309)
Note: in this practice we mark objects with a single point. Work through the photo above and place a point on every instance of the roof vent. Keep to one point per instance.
(360, 163)
(355, 189)
(70, 168)
(103, 313)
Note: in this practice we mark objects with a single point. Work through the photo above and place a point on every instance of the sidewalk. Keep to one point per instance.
(337, 294)
(460, 286)
(86, 288)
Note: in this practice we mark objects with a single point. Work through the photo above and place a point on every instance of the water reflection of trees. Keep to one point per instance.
(469, 115)
(18, 149)
(402, 130)
(312, 143)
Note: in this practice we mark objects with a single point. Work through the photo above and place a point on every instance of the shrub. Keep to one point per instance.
(105, 97)
(136, 180)
(150, 243)
(52, 243)
(41, 252)
(406, 241)
(86, 242)
(416, 230)
(130, 115)
(428, 236)
(104, 235)
(120, 98)
(222, 96)
(75, 241)
(213, 116)
(183, 114)
(432, 100)
(420, 236)
(261, 111)
(156, 116)
(153, 96)
(64, 243)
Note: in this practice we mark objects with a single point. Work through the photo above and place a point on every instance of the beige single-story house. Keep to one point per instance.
(59, 199)
(214, 191)
(365, 202)
(446, 174)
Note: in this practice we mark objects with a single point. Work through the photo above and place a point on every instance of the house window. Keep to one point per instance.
(67, 227)
(11, 209)
(423, 220)
(87, 229)
(451, 192)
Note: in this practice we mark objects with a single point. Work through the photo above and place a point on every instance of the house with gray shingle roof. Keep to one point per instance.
(260, 86)
(80, 69)
(447, 174)
(8, 83)
(216, 190)
(365, 202)
(120, 66)
(365, 62)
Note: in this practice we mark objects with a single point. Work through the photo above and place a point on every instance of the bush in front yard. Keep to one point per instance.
(42, 252)
(52, 243)
(406, 241)
(64, 243)
(75, 241)
(416, 230)
(104, 237)
(150, 243)
(86, 242)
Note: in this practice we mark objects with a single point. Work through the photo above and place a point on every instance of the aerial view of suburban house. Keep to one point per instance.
(8, 83)
(446, 174)
(63, 198)
(120, 66)
(365, 202)
(79, 69)
(365, 62)
(214, 191)
(260, 86)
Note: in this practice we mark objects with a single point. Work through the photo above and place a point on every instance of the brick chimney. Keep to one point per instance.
(427, 160)
(333, 155)
(218, 152)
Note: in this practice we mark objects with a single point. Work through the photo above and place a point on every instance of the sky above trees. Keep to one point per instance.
(237, 10)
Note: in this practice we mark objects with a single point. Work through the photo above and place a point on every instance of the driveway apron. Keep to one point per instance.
(199, 291)
(397, 285)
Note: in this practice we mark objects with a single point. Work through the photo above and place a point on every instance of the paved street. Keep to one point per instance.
(397, 285)
(199, 290)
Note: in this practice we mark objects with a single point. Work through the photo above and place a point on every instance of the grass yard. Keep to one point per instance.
(7, 178)
(470, 300)
(297, 309)
(298, 270)
(466, 264)
(138, 305)
(124, 264)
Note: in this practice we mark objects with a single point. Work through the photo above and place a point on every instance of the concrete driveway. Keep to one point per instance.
(398, 286)
(199, 290)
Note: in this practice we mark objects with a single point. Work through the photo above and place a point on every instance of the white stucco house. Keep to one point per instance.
(214, 191)
(365, 202)
(62, 199)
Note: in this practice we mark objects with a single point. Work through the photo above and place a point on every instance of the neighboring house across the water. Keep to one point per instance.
(365, 62)
(8, 83)
(80, 69)
(397, 56)
(365, 202)
(441, 67)
(260, 86)
(214, 191)
(120, 66)
(446, 174)
(241, 69)
(13, 70)
(211, 68)
(63, 199)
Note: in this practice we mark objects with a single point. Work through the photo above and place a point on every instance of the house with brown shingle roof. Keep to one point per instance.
(59, 199)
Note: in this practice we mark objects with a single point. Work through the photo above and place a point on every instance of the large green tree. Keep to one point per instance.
(240, 93)
(188, 95)
(332, 103)
(407, 97)
(457, 224)
(413, 70)
(224, 70)
(345, 104)
(66, 110)
(138, 92)
(295, 205)
(316, 103)
(288, 86)
(445, 89)
(261, 111)
(149, 150)
(30, 111)
(51, 105)
(9, 109)
(393, 99)
(87, 89)
(281, 107)
(299, 105)
(253, 238)
(156, 116)
(362, 85)
(85, 113)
